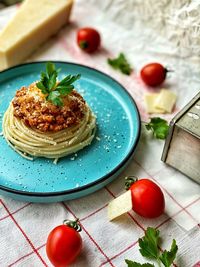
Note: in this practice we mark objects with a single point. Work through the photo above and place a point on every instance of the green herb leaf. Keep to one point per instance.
(65, 80)
(52, 80)
(44, 80)
(41, 86)
(149, 249)
(149, 244)
(65, 90)
(54, 97)
(136, 264)
(120, 63)
(69, 79)
(159, 127)
(167, 257)
(50, 68)
(54, 90)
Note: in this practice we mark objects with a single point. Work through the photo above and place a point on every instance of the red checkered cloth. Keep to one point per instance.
(24, 227)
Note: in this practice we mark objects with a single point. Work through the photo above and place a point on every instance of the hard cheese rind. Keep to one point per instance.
(150, 103)
(33, 24)
(120, 205)
(165, 100)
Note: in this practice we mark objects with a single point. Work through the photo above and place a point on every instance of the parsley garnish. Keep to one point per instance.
(149, 243)
(120, 63)
(52, 89)
(136, 264)
(159, 127)
(149, 249)
(168, 257)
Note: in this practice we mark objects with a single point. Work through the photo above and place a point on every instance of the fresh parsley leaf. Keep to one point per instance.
(149, 249)
(43, 75)
(52, 80)
(120, 63)
(136, 264)
(159, 127)
(54, 90)
(54, 97)
(69, 79)
(149, 244)
(65, 80)
(50, 68)
(44, 80)
(167, 257)
(65, 90)
(41, 86)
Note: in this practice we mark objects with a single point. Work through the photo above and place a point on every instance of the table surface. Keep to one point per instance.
(24, 227)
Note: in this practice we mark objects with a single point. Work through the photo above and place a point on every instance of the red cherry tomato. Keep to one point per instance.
(88, 39)
(64, 244)
(153, 74)
(147, 198)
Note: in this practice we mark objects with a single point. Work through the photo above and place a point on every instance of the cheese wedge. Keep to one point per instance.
(165, 100)
(149, 100)
(33, 24)
(120, 205)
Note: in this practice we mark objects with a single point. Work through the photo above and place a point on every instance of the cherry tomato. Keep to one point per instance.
(153, 74)
(147, 198)
(88, 39)
(64, 244)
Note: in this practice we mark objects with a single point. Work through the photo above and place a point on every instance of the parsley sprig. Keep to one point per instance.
(149, 248)
(51, 88)
(167, 257)
(149, 244)
(159, 127)
(120, 63)
(136, 264)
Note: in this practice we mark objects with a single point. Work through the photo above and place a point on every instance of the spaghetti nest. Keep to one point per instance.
(31, 142)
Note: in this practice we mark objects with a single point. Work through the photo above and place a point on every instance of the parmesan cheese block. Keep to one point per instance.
(150, 103)
(165, 100)
(120, 205)
(33, 24)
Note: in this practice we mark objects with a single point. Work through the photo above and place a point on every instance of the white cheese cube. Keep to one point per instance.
(120, 205)
(149, 100)
(165, 100)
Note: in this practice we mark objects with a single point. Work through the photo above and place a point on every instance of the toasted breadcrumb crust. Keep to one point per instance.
(31, 107)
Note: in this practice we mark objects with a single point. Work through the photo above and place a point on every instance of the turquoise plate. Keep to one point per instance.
(77, 175)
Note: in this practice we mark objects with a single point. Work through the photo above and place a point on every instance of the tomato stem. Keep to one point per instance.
(73, 224)
(129, 180)
(168, 70)
(83, 44)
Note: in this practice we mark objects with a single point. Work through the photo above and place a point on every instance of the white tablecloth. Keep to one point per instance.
(24, 227)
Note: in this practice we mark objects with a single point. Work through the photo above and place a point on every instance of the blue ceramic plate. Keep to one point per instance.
(118, 124)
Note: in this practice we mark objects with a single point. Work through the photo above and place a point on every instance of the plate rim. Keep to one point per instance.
(103, 178)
